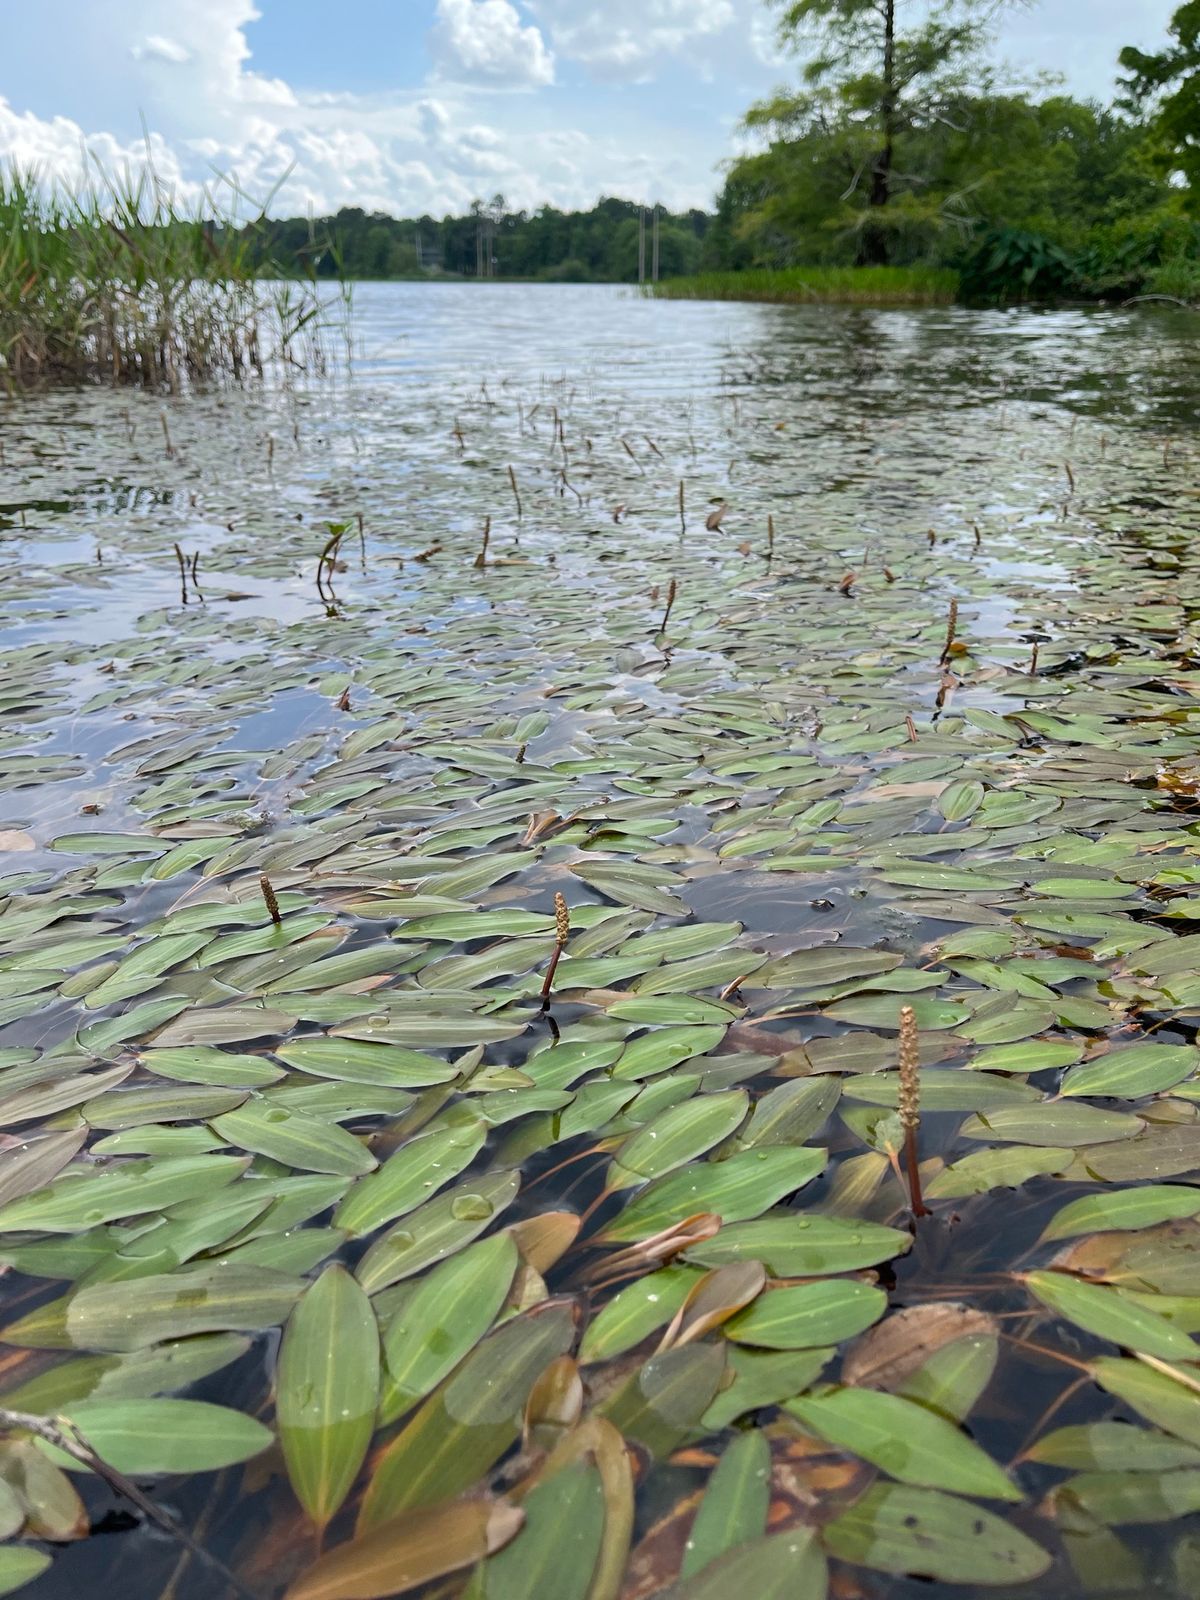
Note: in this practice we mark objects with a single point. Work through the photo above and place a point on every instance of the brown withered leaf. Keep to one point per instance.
(719, 1295)
(543, 1239)
(890, 1352)
(811, 1483)
(410, 1550)
(554, 1405)
(658, 1555)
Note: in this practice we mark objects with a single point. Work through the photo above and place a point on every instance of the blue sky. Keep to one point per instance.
(421, 105)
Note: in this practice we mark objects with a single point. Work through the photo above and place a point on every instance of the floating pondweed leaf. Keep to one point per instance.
(808, 1315)
(327, 1389)
(1166, 1401)
(1124, 1497)
(436, 1229)
(58, 1091)
(1060, 1123)
(946, 1090)
(741, 1186)
(757, 1378)
(895, 1528)
(880, 1011)
(903, 1438)
(632, 885)
(1112, 1446)
(134, 1108)
(797, 1244)
(1123, 1209)
(414, 1174)
(296, 1140)
(1158, 1152)
(996, 1169)
(142, 1311)
(655, 1052)
(151, 1436)
(51, 1509)
(960, 800)
(661, 1403)
(20, 1564)
(1101, 1311)
(357, 1062)
(470, 1420)
(429, 1031)
(83, 1199)
(675, 1137)
(713, 1300)
(204, 1064)
(30, 1164)
(1134, 1071)
(556, 1550)
(227, 1025)
(109, 844)
(791, 1113)
(700, 972)
(159, 1369)
(649, 1009)
(735, 1504)
(771, 1568)
(636, 1311)
(1030, 1055)
(441, 1319)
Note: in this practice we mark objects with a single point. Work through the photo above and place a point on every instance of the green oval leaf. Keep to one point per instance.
(327, 1388)
(903, 1438)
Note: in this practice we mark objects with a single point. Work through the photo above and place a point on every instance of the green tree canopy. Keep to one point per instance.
(876, 74)
(1167, 83)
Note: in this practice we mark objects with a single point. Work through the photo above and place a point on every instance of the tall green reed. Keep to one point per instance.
(113, 279)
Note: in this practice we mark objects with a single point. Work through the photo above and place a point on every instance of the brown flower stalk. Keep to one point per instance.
(562, 932)
(910, 1106)
(268, 894)
(951, 627)
(662, 627)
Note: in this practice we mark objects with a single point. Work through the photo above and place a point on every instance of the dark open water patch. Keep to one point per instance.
(824, 663)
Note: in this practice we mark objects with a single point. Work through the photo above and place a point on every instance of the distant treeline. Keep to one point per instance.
(605, 244)
(900, 145)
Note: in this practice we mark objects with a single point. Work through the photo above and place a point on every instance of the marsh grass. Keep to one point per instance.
(868, 286)
(114, 280)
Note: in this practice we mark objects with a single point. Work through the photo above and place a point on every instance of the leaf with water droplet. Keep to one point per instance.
(442, 1318)
(904, 1439)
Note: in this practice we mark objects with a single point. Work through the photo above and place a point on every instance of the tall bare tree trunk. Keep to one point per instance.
(873, 240)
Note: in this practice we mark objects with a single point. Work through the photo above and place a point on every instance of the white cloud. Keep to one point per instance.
(485, 39)
(434, 145)
(162, 49)
(628, 38)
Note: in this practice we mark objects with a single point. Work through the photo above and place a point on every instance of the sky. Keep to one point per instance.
(414, 106)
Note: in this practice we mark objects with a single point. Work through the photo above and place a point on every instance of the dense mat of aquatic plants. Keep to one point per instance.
(375, 1275)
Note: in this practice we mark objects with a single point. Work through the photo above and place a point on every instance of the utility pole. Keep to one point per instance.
(641, 244)
(654, 254)
(479, 247)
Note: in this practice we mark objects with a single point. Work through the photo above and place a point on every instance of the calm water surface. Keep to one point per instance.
(663, 592)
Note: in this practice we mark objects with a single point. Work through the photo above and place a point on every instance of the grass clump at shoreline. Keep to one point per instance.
(113, 280)
(866, 286)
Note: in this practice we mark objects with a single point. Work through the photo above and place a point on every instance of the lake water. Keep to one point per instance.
(826, 662)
